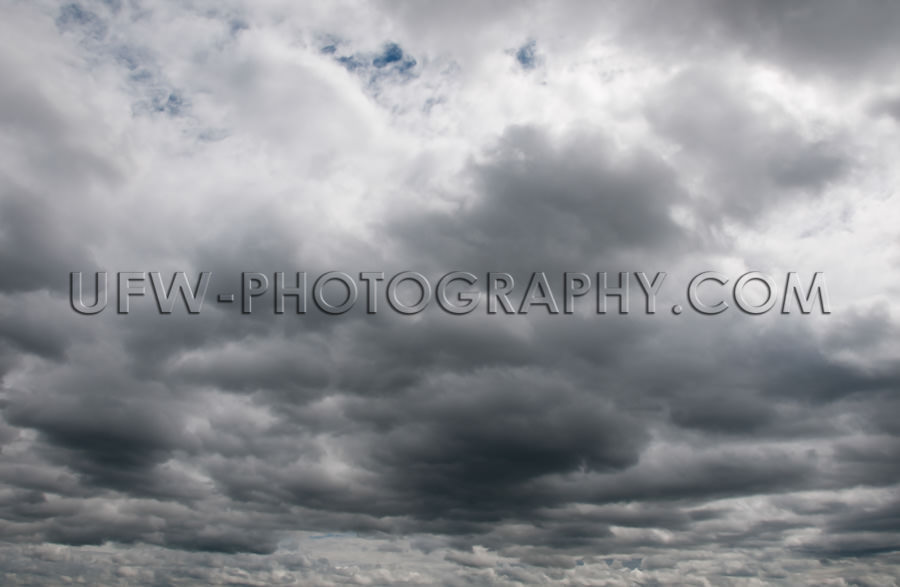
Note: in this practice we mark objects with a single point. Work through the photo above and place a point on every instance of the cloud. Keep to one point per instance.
(488, 449)
(806, 38)
(761, 160)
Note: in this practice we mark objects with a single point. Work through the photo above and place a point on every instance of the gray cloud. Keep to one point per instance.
(751, 159)
(224, 448)
(803, 37)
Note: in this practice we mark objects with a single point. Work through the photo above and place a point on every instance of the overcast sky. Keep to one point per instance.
(584, 449)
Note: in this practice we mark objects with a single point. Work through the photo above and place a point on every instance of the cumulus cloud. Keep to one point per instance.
(485, 449)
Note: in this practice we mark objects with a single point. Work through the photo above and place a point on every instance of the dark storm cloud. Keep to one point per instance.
(870, 461)
(743, 414)
(457, 438)
(470, 442)
(96, 433)
(37, 248)
(544, 203)
(505, 448)
(28, 332)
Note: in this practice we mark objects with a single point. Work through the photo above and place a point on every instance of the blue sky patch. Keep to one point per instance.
(73, 16)
(527, 55)
(392, 54)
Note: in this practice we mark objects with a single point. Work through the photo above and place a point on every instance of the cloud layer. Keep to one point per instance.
(582, 449)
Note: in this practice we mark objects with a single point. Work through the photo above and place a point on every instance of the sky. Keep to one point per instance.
(264, 448)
